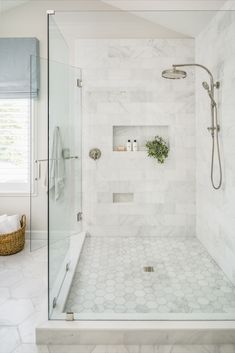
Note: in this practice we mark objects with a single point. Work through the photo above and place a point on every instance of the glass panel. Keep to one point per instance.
(160, 244)
(64, 179)
(38, 172)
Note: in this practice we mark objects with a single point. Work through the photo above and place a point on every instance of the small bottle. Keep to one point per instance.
(135, 146)
(128, 146)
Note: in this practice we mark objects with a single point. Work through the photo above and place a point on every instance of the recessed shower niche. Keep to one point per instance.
(124, 197)
(140, 133)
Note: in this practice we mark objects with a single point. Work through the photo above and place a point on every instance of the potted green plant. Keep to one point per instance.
(158, 148)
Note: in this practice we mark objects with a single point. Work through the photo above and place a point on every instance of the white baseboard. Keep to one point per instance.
(36, 234)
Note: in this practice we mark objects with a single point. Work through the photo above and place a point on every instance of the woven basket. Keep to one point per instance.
(12, 243)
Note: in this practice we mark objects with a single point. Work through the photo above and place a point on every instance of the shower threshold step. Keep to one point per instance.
(135, 332)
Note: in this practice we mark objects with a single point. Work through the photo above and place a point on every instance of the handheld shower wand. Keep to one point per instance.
(207, 88)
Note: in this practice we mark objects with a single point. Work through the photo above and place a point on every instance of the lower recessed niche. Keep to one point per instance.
(123, 197)
(121, 134)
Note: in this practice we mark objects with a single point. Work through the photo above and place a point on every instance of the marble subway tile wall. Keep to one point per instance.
(215, 48)
(122, 86)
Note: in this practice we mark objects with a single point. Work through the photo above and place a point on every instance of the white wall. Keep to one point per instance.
(29, 20)
(122, 85)
(215, 48)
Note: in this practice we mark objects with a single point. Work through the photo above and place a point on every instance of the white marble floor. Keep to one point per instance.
(23, 299)
(23, 305)
(110, 278)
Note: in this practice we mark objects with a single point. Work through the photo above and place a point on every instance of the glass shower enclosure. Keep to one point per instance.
(64, 168)
(131, 238)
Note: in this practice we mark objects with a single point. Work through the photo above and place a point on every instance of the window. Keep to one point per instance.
(15, 145)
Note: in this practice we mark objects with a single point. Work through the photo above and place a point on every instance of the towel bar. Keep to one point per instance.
(51, 159)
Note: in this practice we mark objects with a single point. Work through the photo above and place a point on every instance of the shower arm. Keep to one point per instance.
(206, 69)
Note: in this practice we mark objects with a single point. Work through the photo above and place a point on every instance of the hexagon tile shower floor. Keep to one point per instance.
(110, 277)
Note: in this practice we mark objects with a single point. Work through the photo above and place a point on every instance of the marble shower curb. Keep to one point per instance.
(128, 333)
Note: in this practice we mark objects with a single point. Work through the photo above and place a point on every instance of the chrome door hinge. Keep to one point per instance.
(79, 216)
(79, 83)
(54, 302)
(69, 316)
(50, 12)
(67, 267)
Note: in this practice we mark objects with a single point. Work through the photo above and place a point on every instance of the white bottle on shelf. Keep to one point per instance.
(128, 146)
(135, 145)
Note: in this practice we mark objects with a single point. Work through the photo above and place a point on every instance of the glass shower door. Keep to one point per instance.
(38, 158)
(64, 169)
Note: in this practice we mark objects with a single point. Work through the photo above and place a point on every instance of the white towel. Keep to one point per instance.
(3, 217)
(9, 224)
(14, 221)
(57, 165)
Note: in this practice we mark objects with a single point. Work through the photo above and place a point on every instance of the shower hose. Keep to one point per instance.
(215, 144)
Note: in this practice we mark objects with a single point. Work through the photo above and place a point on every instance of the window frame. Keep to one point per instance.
(11, 188)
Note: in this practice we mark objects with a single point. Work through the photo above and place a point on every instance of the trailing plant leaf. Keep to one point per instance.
(158, 148)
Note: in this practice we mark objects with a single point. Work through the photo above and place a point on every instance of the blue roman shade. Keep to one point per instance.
(19, 67)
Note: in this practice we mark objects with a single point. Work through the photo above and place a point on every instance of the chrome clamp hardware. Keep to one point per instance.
(212, 129)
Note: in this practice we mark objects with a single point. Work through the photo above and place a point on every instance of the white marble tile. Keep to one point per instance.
(71, 348)
(29, 288)
(202, 349)
(4, 294)
(27, 327)
(123, 87)
(215, 227)
(14, 311)
(9, 339)
(110, 349)
(31, 348)
(8, 277)
(226, 348)
(134, 349)
(23, 302)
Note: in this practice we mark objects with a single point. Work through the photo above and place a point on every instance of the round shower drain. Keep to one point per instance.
(148, 269)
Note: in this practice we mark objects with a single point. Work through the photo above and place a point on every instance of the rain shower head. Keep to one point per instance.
(174, 74)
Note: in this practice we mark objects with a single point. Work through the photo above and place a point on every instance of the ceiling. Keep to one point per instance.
(167, 4)
(139, 4)
(6, 5)
(188, 17)
(185, 17)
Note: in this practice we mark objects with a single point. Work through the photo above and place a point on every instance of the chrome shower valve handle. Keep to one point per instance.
(95, 154)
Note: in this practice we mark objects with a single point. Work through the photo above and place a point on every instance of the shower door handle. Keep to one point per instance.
(72, 157)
